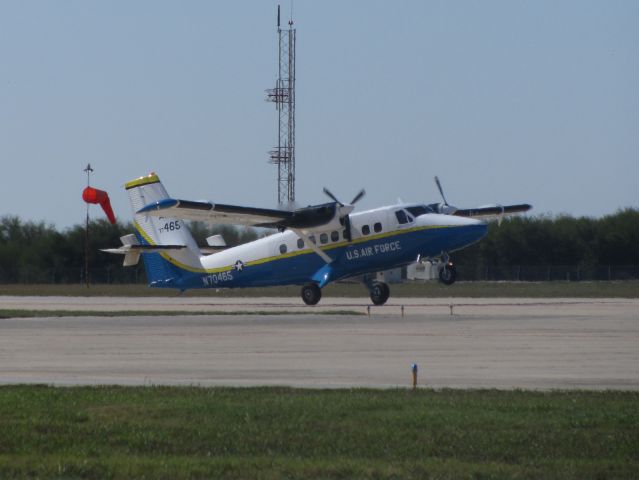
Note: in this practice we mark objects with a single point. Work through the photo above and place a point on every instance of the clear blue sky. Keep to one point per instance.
(507, 101)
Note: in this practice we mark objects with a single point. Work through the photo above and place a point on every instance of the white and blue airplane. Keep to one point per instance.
(314, 245)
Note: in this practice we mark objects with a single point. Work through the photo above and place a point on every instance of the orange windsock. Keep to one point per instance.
(93, 195)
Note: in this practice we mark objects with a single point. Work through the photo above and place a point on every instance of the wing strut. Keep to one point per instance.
(314, 247)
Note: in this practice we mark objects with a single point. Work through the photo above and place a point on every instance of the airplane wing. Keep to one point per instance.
(492, 211)
(219, 213)
(487, 211)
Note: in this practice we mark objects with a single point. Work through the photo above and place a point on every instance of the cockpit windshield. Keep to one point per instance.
(417, 210)
(401, 217)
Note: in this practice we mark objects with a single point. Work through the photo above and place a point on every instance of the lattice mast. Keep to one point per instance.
(283, 95)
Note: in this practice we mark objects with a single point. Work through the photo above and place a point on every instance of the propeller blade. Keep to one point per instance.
(441, 190)
(328, 192)
(358, 197)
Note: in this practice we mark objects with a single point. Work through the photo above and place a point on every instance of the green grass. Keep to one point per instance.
(188, 432)
(612, 289)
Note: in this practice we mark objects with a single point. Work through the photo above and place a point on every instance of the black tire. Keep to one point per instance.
(379, 293)
(448, 274)
(311, 294)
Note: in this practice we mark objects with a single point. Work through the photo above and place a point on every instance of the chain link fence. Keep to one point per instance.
(515, 273)
(548, 273)
(104, 275)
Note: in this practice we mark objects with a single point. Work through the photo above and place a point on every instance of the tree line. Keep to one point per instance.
(561, 240)
(586, 244)
(34, 252)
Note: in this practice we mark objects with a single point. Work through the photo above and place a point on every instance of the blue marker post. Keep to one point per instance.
(413, 368)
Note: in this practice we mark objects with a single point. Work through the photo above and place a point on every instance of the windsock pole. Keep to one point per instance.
(88, 171)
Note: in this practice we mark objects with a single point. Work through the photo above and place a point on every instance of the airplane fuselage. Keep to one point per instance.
(381, 239)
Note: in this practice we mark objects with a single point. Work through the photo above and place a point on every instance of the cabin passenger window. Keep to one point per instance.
(312, 239)
(300, 243)
(377, 227)
(334, 236)
(401, 217)
(323, 238)
(283, 248)
(366, 230)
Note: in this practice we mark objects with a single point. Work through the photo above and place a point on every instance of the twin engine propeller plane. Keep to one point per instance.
(314, 245)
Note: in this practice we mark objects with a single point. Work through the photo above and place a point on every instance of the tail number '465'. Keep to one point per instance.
(170, 226)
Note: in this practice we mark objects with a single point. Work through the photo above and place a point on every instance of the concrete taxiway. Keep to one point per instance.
(502, 343)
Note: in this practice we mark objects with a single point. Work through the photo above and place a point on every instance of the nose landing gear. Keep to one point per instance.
(448, 273)
(447, 270)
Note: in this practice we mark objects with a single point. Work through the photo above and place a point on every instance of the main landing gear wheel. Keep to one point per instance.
(311, 294)
(379, 293)
(448, 274)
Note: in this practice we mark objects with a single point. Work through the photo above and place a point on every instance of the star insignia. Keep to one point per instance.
(239, 265)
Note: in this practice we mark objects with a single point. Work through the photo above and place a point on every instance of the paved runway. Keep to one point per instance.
(502, 343)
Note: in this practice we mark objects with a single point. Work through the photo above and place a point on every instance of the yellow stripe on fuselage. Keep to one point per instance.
(344, 243)
(175, 262)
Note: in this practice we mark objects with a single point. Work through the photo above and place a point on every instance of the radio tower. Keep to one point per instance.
(283, 95)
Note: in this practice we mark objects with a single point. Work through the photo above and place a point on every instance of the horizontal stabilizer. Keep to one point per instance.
(143, 248)
(216, 241)
(131, 249)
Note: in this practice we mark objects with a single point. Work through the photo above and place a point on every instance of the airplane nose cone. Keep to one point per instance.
(476, 231)
(480, 229)
(467, 230)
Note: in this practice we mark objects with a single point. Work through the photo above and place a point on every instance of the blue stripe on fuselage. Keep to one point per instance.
(353, 259)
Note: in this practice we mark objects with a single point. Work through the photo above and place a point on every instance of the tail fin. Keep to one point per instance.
(163, 269)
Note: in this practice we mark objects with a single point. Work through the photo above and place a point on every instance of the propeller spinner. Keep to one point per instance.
(444, 207)
(345, 210)
(356, 198)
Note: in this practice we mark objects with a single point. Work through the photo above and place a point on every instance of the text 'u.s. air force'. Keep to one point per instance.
(377, 249)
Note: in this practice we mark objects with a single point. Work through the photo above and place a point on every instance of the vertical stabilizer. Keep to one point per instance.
(163, 269)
